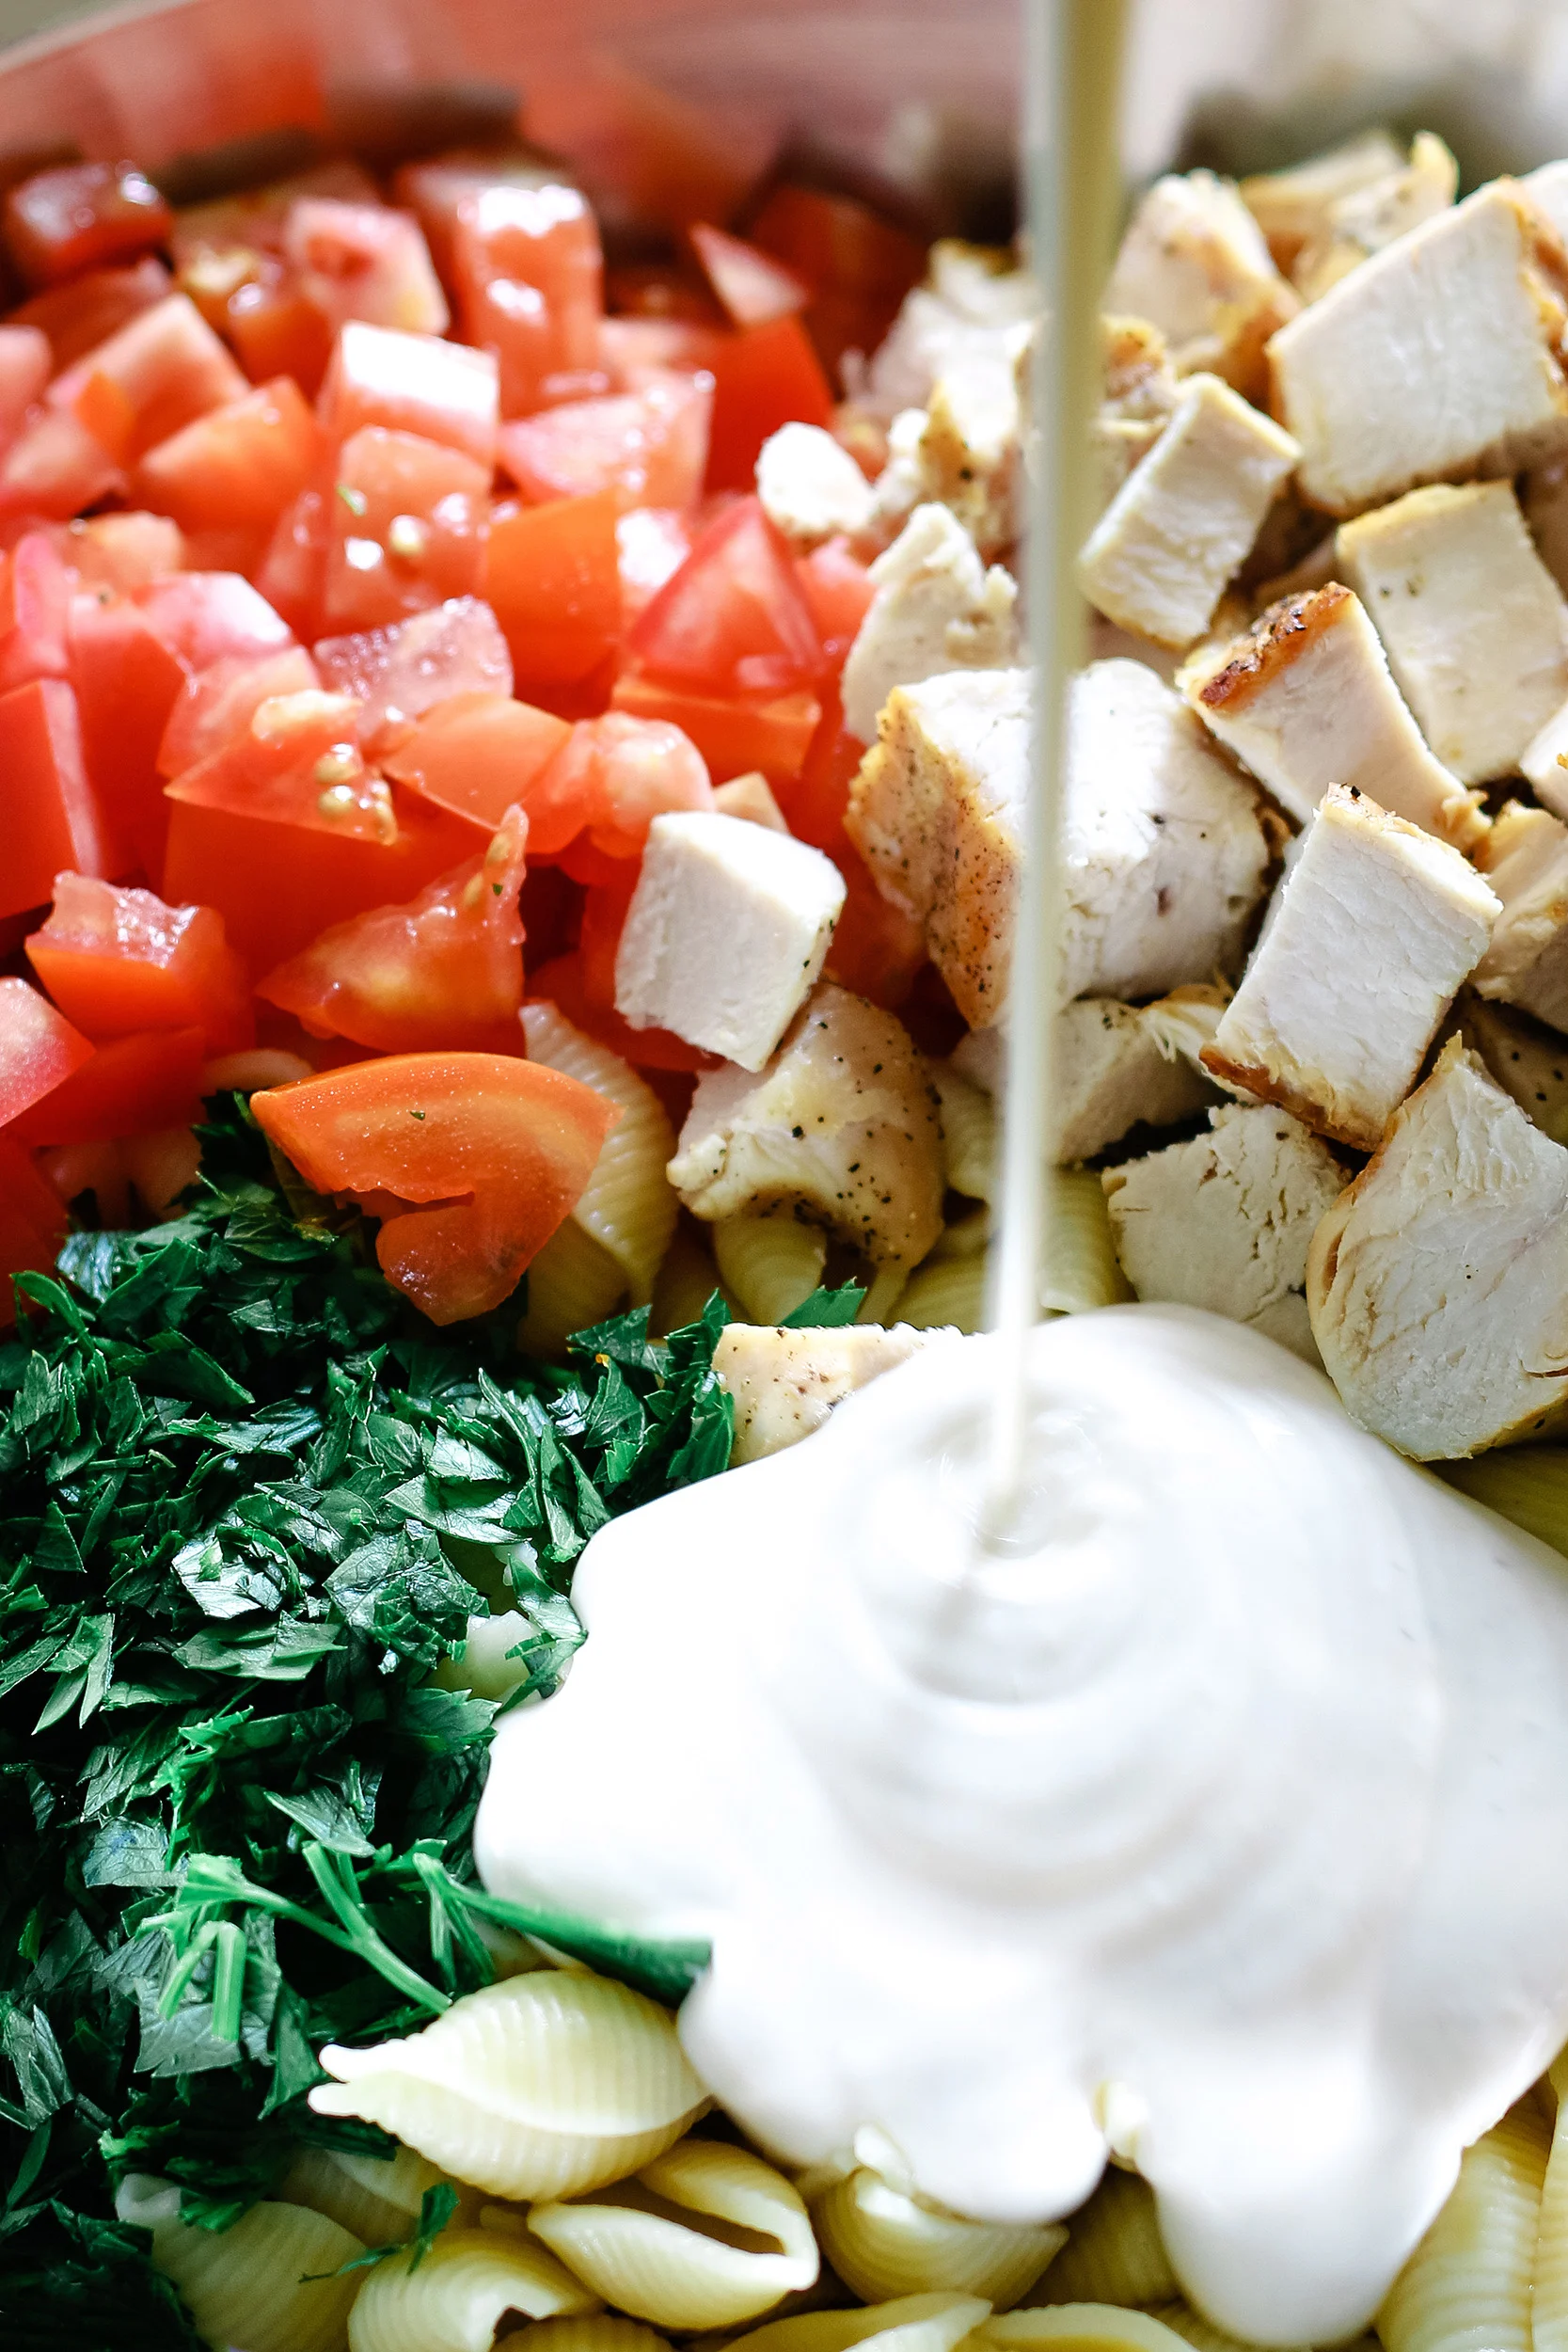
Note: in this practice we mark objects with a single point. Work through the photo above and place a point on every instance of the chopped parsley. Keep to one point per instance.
(252, 1501)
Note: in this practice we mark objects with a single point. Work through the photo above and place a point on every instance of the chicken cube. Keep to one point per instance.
(970, 302)
(1544, 762)
(843, 1126)
(1184, 521)
(751, 796)
(1139, 393)
(1528, 1060)
(1376, 928)
(809, 487)
(1474, 626)
(1112, 1072)
(901, 488)
(936, 608)
(1195, 263)
(1166, 856)
(1294, 208)
(727, 932)
(1305, 697)
(972, 441)
(1526, 862)
(785, 1382)
(1225, 1222)
(1363, 220)
(1438, 1282)
(1438, 360)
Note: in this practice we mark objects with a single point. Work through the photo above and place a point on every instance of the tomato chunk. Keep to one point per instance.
(78, 217)
(292, 574)
(162, 369)
(122, 551)
(484, 1157)
(432, 188)
(858, 265)
(530, 285)
(33, 1222)
(652, 542)
(237, 467)
(749, 284)
(764, 377)
(86, 311)
(38, 1048)
(26, 365)
(297, 762)
(130, 1086)
(411, 384)
(34, 610)
(55, 468)
(271, 321)
(553, 578)
(218, 703)
(612, 776)
(446, 971)
(838, 591)
(734, 733)
(119, 961)
(564, 982)
(207, 616)
(364, 262)
(127, 680)
(650, 445)
(476, 753)
(405, 528)
(401, 672)
(733, 620)
(49, 818)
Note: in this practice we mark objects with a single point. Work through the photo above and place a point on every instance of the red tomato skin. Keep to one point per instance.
(118, 960)
(735, 733)
(34, 610)
(432, 188)
(127, 682)
(213, 706)
(650, 445)
(122, 551)
(86, 311)
(132, 1086)
(612, 778)
(211, 616)
(406, 527)
(838, 591)
(400, 673)
(364, 262)
(734, 619)
(633, 350)
(158, 371)
(27, 1245)
(292, 574)
(529, 280)
(752, 286)
(562, 983)
(552, 579)
(475, 754)
(298, 762)
(78, 217)
(876, 951)
(49, 817)
(26, 365)
(858, 265)
(274, 328)
(444, 973)
(55, 468)
(38, 1048)
(764, 377)
(238, 467)
(411, 384)
(498, 1148)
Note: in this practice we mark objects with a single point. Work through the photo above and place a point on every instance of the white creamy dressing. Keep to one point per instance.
(1222, 1820)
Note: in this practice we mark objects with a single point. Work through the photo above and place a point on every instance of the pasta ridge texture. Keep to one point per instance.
(629, 1205)
(1467, 2285)
(1077, 2327)
(267, 2283)
(455, 2297)
(912, 2323)
(376, 2199)
(1115, 2253)
(884, 2242)
(771, 1264)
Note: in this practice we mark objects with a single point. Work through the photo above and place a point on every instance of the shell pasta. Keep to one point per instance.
(1469, 2280)
(885, 2243)
(272, 2282)
(769, 1264)
(457, 2296)
(628, 1207)
(1115, 2253)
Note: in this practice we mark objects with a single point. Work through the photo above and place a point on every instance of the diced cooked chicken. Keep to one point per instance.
(1164, 854)
(810, 486)
(786, 1382)
(1526, 862)
(1183, 1022)
(1474, 626)
(1293, 208)
(1377, 926)
(1544, 762)
(1306, 698)
(1195, 263)
(901, 488)
(936, 608)
(970, 447)
(1528, 1060)
(1139, 393)
(1438, 1282)
(1225, 1222)
(751, 796)
(1184, 521)
(971, 297)
(1545, 504)
(843, 1125)
(1548, 187)
(727, 930)
(1111, 1073)
(1439, 359)
(1362, 221)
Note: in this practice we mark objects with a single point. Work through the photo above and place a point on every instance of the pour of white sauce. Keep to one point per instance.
(1222, 1819)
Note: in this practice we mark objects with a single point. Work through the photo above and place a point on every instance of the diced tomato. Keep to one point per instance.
(272, 323)
(79, 216)
(858, 265)
(292, 574)
(25, 362)
(236, 468)
(128, 1088)
(484, 1155)
(529, 275)
(364, 262)
(86, 311)
(876, 951)
(734, 733)
(55, 468)
(612, 778)
(552, 579)
(658, 290)
(204, 616)
(35, 608)
(406, 526)
(33, 1222)
(650, 445)
(411, 384)
(633, 350)
(120, 960)
(473, 755)
(564, 983)
(752, 286)
(652, 543)
(669, 158)
(838, 591)
(218, 703)
(49, 817)
(762, 377)
(161, 369)
(733, 620)
(38, 1048)
(297, 762)
(276, 885)
(815, 801)
(122, 551)
(401, 672)
(444, 972)
(256, 216)
(127, 680)
(432, 188)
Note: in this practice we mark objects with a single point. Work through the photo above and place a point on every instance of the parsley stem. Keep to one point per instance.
(330, 1873)
(229, 1982)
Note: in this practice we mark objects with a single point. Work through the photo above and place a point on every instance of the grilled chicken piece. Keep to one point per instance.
(1474, 626)
(1526, 862)
(1139, 396)
(1225, 1222)
(1185, 520)
(1363, 220)
(843, 1126)
(1528, 1060)
(1113, 1070)
(1195, 263)
(809, 487)
(971, 300)
(970, 447)
(1438, 1282)
(1305, 697)
(1439, 359)
(936, 608)
(786, 1382)
(1295, 208)
(1375, 930)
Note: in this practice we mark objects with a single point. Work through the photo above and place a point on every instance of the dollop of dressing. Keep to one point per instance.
(1219, 1821)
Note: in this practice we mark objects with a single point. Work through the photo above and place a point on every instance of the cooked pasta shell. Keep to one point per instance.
(1114, 2252)
(1194, 2328)
(267, 2284)
(913, 2322)
(456, 2297)
(1082, 1269)
(686, 1281)
(883, 2242)
(1549, 2314)
(1468, 2281)
(629, 1205)
(771, 1264)
(573, 1283)
(1077, 2327)
(969, 1133)
(1527, 1484)
(376, 2196)
(603, 2333)
(705, 2236)
(946, 1291)
(547, 2083)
